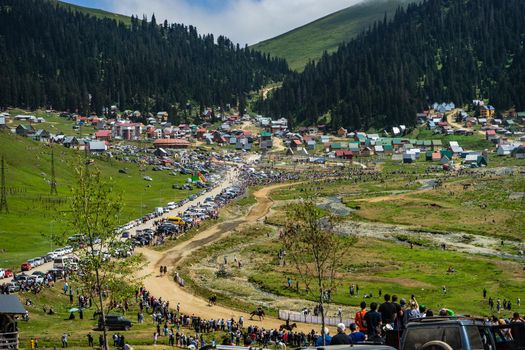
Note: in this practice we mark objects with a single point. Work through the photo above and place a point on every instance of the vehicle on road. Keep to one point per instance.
(115, 322)
(176, 220)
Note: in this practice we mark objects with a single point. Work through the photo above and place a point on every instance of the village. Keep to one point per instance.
(445, 134)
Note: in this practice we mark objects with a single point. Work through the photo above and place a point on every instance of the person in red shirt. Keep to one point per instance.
(359, 317)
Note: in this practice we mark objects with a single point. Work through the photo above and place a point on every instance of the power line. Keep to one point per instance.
(3, 190)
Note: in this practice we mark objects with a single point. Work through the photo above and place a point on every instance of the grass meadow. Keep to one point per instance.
(34, 214)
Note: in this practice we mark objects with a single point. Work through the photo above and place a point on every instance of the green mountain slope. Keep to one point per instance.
(440, 50)
(326, 34)
(96, 12)
(34, 214)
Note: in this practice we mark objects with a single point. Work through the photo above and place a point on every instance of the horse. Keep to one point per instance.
(288, 327)
(212, 300)
(258, 312)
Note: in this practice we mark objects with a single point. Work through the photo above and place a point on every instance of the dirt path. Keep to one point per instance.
(451, 120)
(191, 304)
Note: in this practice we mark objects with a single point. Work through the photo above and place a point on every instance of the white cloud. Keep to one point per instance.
(243, 21)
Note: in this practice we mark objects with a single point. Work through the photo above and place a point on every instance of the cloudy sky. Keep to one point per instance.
(243, 21)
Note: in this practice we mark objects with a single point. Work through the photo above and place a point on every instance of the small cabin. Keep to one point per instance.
(10, 309)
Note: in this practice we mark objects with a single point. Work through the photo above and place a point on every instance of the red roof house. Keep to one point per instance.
(103, 135)
(171, 143)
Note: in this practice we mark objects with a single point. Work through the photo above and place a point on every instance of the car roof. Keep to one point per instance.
(463, 320)
(352, 346)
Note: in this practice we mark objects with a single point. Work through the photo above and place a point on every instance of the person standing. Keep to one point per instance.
(388, 311)
(360, 317)
(484, 293)
(101, 342)
(341, 338)
(412, 312)
(90, 340)
(64, 340)
(373, 321)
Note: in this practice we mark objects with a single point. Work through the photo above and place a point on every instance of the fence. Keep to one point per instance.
(301, 317)
(9, 340)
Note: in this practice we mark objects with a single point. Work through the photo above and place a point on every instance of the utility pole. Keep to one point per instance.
(53, 182)
(3, 190)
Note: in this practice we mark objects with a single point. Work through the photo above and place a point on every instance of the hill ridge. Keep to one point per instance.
(328, 32)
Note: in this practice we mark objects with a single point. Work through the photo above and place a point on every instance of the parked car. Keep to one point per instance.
(26, 266)
(12, 287)
(114, 322)
(458, 332)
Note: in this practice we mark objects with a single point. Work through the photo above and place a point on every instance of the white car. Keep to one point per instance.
(2, 273)
(59, 252)
(37, 279)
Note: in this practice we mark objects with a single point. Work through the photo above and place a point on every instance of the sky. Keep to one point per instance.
(243, 21)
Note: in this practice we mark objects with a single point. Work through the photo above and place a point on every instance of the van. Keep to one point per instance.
(60, 263)
(64, 262)
(159, 210)
(176, 220)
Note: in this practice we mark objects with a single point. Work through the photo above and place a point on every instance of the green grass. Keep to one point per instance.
(101, 14)
(473, 142)
(34, 214)
(308, 42)
(482, 209)
(53, 124)
(397, 269)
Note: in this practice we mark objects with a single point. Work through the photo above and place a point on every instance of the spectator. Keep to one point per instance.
(388, 311)
(373, 322)
(412, 312)
(340, 338)
(326, 336)
(359, 317)
(356, 336)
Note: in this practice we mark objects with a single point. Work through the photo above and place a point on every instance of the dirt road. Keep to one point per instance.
(166, 288)
(451, 120)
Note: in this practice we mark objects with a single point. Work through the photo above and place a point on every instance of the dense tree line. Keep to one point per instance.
(439, 50)
(51, 55)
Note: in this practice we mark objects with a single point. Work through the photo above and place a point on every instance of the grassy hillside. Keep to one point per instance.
(34, 214)
(96, 12)
(326, 34)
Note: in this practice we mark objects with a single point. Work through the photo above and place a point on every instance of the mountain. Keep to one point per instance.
(325, 34)
(440, 50)
(55, 55)
(95, 12)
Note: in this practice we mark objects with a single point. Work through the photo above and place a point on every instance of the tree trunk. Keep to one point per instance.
(322, 315)
(101, 301)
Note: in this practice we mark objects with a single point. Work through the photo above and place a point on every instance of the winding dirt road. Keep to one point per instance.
(166, 288)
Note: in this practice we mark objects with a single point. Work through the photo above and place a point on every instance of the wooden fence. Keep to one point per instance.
(301, 317)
